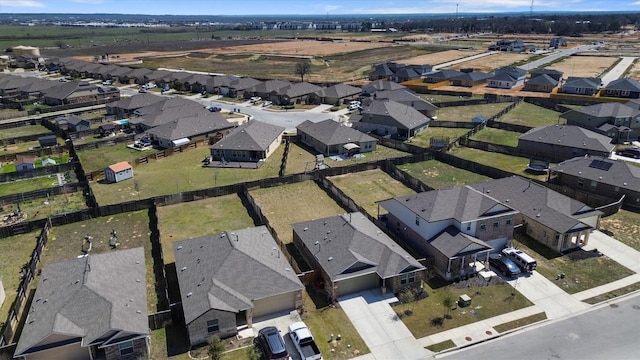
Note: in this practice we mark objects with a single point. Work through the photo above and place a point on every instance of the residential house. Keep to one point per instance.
(197, 83)
(48, 140)
(139, 75)
(380, 72)
(406, 97)
(620, 122)
(378, 85)
(229, 279)
(267, 90)
(126, 106)
(581, 85)
(24, 163)
(606, 177)
(118, 172)
(507, 78)
(541, 83)
(74, 92)
(561, 142)
(253, 141)
(390, 118)
(398, 72)
(469, 78)
(549, 217)
(335, 94)
(405, 74)
(623, 88)
(552, 73)
(238, 87)
(297, 93)
(441, 75)
(48, 162)
(332, 138)
(161, 78)
(511, 45)
(352, 254)
(557, 42)
(189, 128)
(75, 124)
(122, 74)
(216, 82)
(167, 110)
(455, 228)
(89, 307)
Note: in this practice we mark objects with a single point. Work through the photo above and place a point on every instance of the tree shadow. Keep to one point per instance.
(437, 321)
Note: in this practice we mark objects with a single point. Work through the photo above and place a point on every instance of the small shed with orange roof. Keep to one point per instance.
(118, 172)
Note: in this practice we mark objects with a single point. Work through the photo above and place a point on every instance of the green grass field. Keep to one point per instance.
(289, 204)
(514, 164)
(26, 185)
(380, 153)
(423, 139)
(11, 166)
(368, 187)
(439, 175)
(23, 131)
(100, 158)
(54, 205)
(497, 136)
(200, 218)
(16, 251)
(520, 322)
(466, 113)
(530, 115)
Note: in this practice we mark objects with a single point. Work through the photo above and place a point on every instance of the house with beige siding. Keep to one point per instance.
(253, 141)
(332, 138)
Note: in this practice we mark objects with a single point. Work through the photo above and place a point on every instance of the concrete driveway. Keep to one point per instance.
(384, 333)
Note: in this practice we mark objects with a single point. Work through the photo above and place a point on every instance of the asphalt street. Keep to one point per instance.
(556, 55)
(611, 331)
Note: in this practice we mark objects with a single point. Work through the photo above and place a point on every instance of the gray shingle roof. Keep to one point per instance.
(351, 245)
(592, 83)
(406, 97)
(229, 270)
(63, 90)
(188, 126)
(137, 101)
(392, 113)
(301, 89)
(243, 83)
(253, 135)
(75, 120)
(621, 174)
(472, 76)
(537, 202)
(339, 91)
(542, 79)
(330, 132)
(269, 86)
(606, 110)
(570, 136)
(382, 85)
(624, 84)
(89, 297)
(451, 242)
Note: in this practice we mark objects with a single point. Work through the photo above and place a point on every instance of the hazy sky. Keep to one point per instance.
(313, 7)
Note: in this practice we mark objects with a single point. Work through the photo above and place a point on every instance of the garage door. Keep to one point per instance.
(274, 304)
(360, 283)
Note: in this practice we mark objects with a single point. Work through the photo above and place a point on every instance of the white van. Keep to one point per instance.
(524, 261)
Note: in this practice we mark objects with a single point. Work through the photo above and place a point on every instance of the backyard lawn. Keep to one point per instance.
(65, 242)
(497, 136)
(22, 146)
(16, 251)
(289, 204)
(23, 131)
(624, 226)
(26, 185)
(199, 218)
(489, 299)
(514, 164)
(583, 269)
(368, 187)
(423, 139)
(439, 175)
(45, 207)
(381, 153)
(11, 166)
(466, 113)
(530, 115)
(100, 158)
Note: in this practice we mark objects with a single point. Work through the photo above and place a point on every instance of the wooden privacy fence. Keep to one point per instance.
(41, 193)
(38, 172)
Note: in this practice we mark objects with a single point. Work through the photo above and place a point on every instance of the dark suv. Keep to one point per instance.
(272, 344)
(629, 152)
(504, 264)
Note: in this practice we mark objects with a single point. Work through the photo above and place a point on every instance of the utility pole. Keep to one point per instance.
(531, 9)
(456, 11)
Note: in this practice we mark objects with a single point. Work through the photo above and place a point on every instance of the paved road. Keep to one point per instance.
(617, 70)
(465, 59)
(609, 332)
(556, 55)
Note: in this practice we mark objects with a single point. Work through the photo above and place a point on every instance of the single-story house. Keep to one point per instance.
(118, 172)
(561, 142)
(540, 83)
(75, 92)
(390, 118)
(48, 140)
(606, 177)
(267, 90)
(75, 123)
(252, 141)
(237, 87)
(441, 75)
(406, 97)
(89, 307)
(405, 74)
(352, 254)
(183, 130)
(507, 78)
(581, 85)
(620, 122)
(332, 138)
(336, 94)
(297, 93)
(623, 88)
(379, 85)
(470, 78)
(454, 228)
(380, 72)
(25, 163)
(551, 218)
(229, 279)
(552, 73)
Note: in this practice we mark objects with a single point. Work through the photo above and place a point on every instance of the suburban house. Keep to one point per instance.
(352, 254)
(512, 45)
(390, 118)
(581, 85)
(75, 92)
(549, 217)
(455, 228)
(379, 85)
(441, 75)
(332, 138)
(507, 78)
(297, 93)
(405, 74)
(126, 106)
(118, 172)
(552, 73)
(122, 74)
(24, 163)
(381, 72)
(406, 97)
(469, 78)
(606, 177)
(75, 124)
(543, 80)
(237, 87)
(189, 128)
(398, 72)
(621, 122)
(335, 94)
(231, 278)
(267, 90)
(561, 142)
(623, 88)
(557, 42)
(253, 141)
(47, 140)
(216, 82)
(89, 307)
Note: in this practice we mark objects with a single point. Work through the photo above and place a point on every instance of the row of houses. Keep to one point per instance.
(620, 122)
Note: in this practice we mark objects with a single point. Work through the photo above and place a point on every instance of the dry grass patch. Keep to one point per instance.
(424, 138)
(439, 175)
(491, 62)
(299, 48)
(293, 203)
(583, 66)
(466, 113)
(530, 115)
(624, 226)
(634, 71)
(441, 57)
(520, 322)
(16, 252)
(368, 187)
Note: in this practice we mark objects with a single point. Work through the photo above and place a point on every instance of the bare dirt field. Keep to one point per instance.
(302, 47)
(634, 72)
(441, 57)
(483, 89)
(583, 66)
(491, 62)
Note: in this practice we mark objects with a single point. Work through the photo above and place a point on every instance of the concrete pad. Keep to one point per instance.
(621, 253)
(410, 349)
(386, 351)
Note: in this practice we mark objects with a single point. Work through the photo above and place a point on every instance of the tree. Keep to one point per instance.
(303, 68)
(447, 303)
(216, 348)
(254, 353)
(408, 296)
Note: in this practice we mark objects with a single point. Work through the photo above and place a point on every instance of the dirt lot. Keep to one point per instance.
(583, 66)
(491, 62)
(634, 73)
(483, 89)
(301, 48)
(441, 57)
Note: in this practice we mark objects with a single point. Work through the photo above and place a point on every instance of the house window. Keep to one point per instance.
(407, 278)
(593, 184)
(496, 222)
(580, 182)
(418, 220)
(468, 226)
(483, 224)
(509, 219)
(212, 326)
(624, 93)
(125, 348)
(616, 189)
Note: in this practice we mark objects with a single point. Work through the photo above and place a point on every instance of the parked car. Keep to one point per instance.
(272, 345)
(106, 82)
(504, 264)
(520, 258)
(255, 99)
(629, 152)
(267, 103)
(303, 341)
(214, 108)
(142, 91)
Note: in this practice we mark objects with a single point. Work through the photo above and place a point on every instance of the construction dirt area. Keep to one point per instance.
(491, 62)
(441, 57)
(583, 66)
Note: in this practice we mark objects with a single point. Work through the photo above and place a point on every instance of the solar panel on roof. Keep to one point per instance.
(600, 165)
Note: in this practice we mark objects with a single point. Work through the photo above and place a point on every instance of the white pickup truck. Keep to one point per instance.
(303, 341)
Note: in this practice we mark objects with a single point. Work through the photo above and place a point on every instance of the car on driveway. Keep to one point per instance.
(629, 152)
(267, 104)
(272, 345)
(505, 265)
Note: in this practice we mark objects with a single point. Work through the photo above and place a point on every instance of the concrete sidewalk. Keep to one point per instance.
(615, 250)
(617, 70)
(465, 59)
